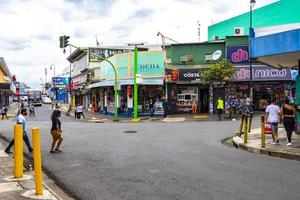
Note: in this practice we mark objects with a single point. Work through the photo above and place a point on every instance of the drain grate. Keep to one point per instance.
(130, 131)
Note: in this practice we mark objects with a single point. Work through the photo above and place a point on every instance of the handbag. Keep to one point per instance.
(268, 128)
(297, 128)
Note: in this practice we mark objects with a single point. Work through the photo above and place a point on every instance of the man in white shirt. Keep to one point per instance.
(273, 117)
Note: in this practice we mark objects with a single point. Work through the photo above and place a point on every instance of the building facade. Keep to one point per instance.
(7, 88)
(278, 13)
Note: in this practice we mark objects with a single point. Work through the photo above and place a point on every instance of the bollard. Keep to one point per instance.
(246, 129)
(241, 125)
(250, 122)
(18, 150)
(262, 125)
(37, 161)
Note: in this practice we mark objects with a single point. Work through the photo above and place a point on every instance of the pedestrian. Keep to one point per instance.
(4, 112)
(288, 113)
(79, 111)
(273, 118)
(151, 107)
(165, 105)
(75, 113)
(194, 106)
(31, 110)
(21, 120)
(56, 132)
(220, 108)
(247, 106)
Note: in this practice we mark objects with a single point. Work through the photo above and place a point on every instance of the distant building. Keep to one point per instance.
(7, 88)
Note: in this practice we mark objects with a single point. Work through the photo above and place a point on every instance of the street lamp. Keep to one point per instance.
(135, 87)
(251, 34)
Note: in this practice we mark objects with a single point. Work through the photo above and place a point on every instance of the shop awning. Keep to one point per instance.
(8, 87)
(280, 49)
(146, 81)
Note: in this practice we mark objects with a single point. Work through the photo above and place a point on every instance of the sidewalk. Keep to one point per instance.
(20, 189)
(101, 118)
(279, 150)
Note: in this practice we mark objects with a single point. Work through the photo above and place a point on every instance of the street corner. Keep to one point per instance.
(281, 150)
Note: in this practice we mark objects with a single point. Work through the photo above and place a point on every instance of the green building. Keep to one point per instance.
(278, 13)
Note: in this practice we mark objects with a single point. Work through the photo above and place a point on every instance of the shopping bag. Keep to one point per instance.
(268, 128)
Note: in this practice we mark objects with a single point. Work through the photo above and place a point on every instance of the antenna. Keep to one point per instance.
(199, 30)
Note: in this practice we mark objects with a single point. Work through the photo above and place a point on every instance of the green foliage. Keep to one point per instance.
(218, 72)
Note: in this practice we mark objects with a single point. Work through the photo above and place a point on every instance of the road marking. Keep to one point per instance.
(174, 119)
(11, 186)
(200, 117)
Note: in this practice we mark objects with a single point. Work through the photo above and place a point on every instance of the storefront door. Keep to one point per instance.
(203, 101)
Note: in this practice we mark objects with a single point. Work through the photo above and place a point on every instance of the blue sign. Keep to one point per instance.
(60, 82)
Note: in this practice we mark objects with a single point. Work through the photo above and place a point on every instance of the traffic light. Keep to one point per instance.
(63, 41)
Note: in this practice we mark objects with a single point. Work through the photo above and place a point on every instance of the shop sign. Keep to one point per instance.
(60, 82)
(262, 73)
(238, 54)
(174, 75)
(104, 53)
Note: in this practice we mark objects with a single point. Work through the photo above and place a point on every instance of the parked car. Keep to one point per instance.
(24, 98)
(46, 100)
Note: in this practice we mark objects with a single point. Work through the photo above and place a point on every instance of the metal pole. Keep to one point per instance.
(262, 125)
(250, 59)
(135, 87)
(70, 83)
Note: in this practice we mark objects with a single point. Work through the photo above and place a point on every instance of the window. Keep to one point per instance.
(186, 59)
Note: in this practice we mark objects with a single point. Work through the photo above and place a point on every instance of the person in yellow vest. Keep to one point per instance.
(220, 108)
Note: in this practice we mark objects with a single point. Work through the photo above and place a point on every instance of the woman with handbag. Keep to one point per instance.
(288, 117)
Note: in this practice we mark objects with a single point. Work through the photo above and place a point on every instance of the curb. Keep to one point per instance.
(264, 151)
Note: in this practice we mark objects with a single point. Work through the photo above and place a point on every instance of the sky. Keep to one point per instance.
(30, 29)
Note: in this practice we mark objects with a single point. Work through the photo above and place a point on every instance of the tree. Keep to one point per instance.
(218, 72)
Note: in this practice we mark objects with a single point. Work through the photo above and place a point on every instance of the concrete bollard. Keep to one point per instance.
(246, 130)
(262, 125)
(18, 151)
(37, 161)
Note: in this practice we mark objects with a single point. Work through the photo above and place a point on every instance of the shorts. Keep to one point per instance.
(194, 107)
(274, 126)
(56, 135)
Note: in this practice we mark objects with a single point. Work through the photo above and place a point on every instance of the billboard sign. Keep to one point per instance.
(238, 54)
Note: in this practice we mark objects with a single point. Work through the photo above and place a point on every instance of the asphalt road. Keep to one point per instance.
(176, 161)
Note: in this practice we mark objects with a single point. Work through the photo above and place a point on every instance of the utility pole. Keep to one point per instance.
(135, 86)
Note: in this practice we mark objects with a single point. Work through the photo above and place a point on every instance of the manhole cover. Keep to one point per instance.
(130, 131)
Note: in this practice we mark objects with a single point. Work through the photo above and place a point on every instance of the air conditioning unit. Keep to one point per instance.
(215, 37)
(168, 61)
(238, 31)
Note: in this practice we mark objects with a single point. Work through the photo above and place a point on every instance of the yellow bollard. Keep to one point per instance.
(250, 122)
(246, 130)
(18, 150)
(37, 161)
(241, 125)
(262, 125)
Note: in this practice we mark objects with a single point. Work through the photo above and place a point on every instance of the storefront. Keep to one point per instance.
(150, 83)
(268, 84)
(184, 85)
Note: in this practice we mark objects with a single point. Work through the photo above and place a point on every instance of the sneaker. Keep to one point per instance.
(277, 141)
(273, 142)
(289, 144)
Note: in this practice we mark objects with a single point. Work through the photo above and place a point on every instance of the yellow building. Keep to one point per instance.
(7, 87)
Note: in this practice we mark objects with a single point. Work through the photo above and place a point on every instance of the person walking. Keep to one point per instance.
(288, 113)
(165, 105)
(194, 106)
(56, 132)
(4, 112)
(21, 120)
(31, 110)
(151, 107)
(220, 108)
(273, 118)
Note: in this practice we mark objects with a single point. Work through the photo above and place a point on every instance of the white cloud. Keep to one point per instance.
(30, 28)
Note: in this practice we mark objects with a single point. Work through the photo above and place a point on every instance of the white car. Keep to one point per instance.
(24, 98)
(46, 100)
